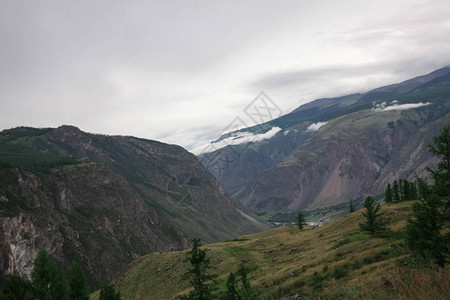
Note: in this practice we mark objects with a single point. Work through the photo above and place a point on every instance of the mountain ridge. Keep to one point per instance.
(267, 162)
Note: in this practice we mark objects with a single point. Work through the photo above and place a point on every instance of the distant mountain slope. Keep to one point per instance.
(104, 200)
(300, 162)
(352, 156)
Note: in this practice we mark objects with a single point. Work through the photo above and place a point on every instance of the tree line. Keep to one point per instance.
(401, 190)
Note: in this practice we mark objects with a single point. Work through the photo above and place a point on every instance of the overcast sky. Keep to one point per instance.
(181, 71)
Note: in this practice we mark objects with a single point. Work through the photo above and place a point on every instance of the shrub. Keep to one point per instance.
(341, 271)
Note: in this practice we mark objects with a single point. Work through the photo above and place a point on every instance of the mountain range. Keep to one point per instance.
(332, 150)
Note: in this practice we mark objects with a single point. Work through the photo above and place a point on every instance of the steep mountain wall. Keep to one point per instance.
(352, 156)
(88, 214)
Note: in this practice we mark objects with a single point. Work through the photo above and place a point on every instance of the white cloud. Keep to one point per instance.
(237, 139)
(315, 126)
(379, 106)
(382, 106)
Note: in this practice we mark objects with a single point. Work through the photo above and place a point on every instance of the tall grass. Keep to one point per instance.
(424, 283)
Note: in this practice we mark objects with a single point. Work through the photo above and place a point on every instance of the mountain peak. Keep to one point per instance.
(66, 131)
(69, 128)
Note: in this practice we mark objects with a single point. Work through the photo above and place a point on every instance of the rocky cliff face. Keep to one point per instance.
(87, 214)
(105, 200)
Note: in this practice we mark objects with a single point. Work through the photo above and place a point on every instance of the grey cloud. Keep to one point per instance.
(167, 69)
(324, 74)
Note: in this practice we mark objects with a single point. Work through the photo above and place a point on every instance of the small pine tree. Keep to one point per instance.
(351, 208)
(388, 195)
(395, 192)
(373, 225)
(406, 190)
(232, 293)
(47, 280)
(198, 273)
(109, 292)
(79, 290)
(301, 220)
(246, 292)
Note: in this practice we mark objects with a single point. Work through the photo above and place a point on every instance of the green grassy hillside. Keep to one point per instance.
(335, 261)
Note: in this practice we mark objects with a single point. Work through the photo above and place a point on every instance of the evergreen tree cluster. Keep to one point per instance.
(47, 282)
(401, 190)
(244, 291)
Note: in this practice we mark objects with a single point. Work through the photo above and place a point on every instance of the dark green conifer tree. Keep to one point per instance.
(15, 287)
(406, 190)
(301, 220)
(424, 232)
(374, 225)
(198, 274)
(395, 192)
(246, 292)
(432, 211)
(423, 189)
(79, 290)
(388, 194)
(47, 281)
(351, 208)
(232, 293)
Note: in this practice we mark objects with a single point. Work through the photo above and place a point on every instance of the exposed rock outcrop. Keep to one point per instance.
(87, 213)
